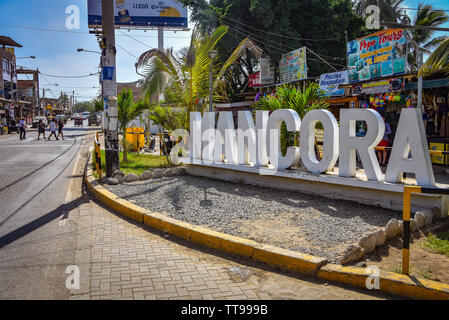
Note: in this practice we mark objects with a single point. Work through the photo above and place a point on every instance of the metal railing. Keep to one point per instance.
(408, 190)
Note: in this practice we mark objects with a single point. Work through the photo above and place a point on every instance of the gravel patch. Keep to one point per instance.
(291, 220)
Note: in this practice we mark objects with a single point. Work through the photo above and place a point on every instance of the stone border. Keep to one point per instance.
(371, 240)
(285, 259)
(119, 177)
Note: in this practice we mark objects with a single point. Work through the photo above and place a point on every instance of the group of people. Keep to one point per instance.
(53, 126)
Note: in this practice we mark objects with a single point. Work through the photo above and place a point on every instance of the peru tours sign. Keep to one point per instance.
(381, 54)
(257, 143)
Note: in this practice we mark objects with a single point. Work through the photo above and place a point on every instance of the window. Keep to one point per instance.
(5, 66)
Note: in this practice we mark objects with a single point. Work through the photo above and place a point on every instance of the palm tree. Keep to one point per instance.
(437, 62)
(128, 110)
(390, 10)
(299, 100)
(429, 17)
(188, 75)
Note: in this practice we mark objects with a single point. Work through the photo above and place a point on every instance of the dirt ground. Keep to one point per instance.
(423, 263)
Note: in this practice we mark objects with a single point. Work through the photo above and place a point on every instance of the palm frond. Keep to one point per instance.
(437, 62)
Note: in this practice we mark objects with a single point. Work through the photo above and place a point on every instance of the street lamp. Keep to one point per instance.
(30, 57)
(212, 55)
(81, 50)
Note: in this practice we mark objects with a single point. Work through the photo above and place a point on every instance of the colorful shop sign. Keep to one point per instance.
(329, 83)
(293, 65)
(381, 54)
(376, 87)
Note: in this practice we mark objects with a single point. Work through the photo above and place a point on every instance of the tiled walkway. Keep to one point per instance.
(120, 259)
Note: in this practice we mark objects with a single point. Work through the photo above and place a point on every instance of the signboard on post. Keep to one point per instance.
(329, 83)
(254, 80)
(380, 54)
(141, 13)
(293, 65)
(266, 71)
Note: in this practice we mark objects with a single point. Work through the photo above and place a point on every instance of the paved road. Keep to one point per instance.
(35, 178)
(48, 223)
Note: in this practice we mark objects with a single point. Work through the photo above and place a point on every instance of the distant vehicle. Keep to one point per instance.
(35, 121)
(93, 119)
(78, 121)
(61, 116)
(85, 114)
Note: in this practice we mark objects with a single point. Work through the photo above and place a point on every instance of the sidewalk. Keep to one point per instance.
(119, 259)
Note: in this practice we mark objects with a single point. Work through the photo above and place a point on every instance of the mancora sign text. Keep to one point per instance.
(257, 143)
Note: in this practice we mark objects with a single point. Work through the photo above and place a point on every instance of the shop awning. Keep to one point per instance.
(428, 84)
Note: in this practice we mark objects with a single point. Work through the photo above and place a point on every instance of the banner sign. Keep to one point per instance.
(266, 71)
(381, 54)
(141, 13)
(293, 65)
(254, 80)
(377, 87)
(329, 83)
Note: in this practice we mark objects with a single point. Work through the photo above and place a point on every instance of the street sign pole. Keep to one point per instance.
(109, 88)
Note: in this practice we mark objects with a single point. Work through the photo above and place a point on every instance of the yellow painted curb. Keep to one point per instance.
(290, 260)
(391, 282)
(286, 259)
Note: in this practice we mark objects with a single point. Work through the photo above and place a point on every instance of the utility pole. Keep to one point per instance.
(73, 102)
(109, 88)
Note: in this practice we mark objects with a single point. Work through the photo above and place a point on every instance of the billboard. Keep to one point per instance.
(293, 65)
(380, 54)
(329, 83)
(141, 13)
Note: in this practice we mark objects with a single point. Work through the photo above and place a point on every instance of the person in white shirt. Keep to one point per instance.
(22, 127)
(53, 129)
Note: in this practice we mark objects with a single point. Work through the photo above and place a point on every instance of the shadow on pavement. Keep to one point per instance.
(63, 209)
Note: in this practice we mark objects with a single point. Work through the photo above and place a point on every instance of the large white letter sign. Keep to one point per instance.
(350, 144)
(410, 137)
(225, 136)
(195, 137)
(246, 138)
(293, 123)
(330, 143)
(261, 127)
(208, 136)
(182, 146)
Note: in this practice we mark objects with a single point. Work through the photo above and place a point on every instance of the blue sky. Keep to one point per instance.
(56, 51)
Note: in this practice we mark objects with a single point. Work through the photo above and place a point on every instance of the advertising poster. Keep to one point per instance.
(266, 71)
(254, 80)
(381, 54)
(293, 65)
(141, 13)
(329, 83)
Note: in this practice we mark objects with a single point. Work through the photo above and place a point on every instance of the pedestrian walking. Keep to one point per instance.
(22, 126)
(40, 129)
(60, 126)
(53, 129)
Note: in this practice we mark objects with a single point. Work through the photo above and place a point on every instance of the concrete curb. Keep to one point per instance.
(285, 259)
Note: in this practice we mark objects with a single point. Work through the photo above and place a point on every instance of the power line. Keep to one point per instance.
(126, 50)
(58, 76)
(135, 39)
(277, 34)
(416, 9)
(78, 32)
